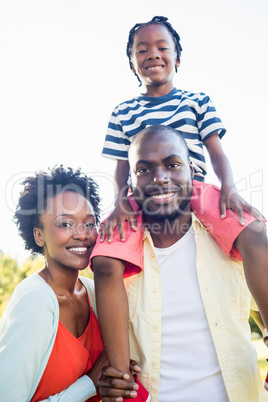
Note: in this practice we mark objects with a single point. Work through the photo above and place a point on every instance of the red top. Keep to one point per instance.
(70, 359)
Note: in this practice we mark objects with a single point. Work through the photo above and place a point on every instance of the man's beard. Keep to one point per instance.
(175, 214)
(158, 217)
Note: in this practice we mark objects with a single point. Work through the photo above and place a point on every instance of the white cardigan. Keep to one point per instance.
(28, 330)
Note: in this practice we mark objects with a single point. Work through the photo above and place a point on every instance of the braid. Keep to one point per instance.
(155, 20)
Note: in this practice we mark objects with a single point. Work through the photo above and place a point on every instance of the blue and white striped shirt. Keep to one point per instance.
(193, 114)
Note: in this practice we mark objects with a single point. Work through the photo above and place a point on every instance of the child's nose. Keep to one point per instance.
(153, 54)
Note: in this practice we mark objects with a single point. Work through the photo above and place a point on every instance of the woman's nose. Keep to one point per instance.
(81, 232)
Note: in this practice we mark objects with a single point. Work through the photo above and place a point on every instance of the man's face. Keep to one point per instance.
(161, 176)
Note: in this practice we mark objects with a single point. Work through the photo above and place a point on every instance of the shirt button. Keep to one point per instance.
(155, 290)
(154, 364)
(155, 326)
(153, 255)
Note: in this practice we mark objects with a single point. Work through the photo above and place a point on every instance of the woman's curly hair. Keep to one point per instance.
(43, 186)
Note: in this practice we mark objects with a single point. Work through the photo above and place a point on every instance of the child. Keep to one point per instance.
(154, 51)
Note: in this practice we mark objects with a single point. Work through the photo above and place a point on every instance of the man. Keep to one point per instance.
(189, 307)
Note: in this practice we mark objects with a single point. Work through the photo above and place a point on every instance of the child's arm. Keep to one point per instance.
(112, 309)
(229, 197)
(123, 210)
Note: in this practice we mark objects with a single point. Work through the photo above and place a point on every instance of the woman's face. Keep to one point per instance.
(69, 231)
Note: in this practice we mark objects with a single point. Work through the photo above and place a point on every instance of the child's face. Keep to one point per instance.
(153, 55)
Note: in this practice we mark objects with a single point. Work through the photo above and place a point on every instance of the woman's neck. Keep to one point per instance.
(61, 281)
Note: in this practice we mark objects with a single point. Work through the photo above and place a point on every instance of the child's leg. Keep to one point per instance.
(252, 243)
(248, 243)
(112, 308)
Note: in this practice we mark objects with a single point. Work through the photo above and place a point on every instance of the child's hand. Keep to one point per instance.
(230, 199)
(122, 212)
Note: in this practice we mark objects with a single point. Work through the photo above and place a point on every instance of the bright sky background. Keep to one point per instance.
(63, 69)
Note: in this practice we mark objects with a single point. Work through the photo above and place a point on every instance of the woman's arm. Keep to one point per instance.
(27, 333)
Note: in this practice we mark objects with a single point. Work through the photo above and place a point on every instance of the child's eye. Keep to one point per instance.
(163, 48)
(141, 51)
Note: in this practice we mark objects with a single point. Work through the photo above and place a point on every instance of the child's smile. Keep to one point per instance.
(154, 57)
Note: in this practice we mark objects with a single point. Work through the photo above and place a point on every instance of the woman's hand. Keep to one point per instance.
(95, 372)
(114, 385)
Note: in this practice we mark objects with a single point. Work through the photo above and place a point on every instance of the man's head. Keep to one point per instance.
(161, 173)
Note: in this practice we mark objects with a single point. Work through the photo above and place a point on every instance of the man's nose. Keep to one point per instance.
(160, 176)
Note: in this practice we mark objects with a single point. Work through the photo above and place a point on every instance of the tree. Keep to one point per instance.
(11, 274)
(9, 278)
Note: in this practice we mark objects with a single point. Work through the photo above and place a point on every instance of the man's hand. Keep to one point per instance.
(114, 385)
(230, 199)
(122, 212)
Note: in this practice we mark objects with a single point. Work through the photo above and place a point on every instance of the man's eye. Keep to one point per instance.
(142, 171)
(174, 165)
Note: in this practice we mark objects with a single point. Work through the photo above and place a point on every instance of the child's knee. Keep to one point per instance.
(253, 239)
(107, 267)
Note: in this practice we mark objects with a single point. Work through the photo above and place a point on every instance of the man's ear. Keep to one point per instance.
(192, 169)
(39, 237)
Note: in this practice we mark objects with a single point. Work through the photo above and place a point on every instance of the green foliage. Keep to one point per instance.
(11, 274)
(87, 272)
(9, 278)
(31, 264)
(254, 327)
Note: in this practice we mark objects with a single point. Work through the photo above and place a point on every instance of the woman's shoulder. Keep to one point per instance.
(33, 293)
(32, 284)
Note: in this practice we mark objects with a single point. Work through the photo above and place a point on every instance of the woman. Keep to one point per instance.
(50, 342)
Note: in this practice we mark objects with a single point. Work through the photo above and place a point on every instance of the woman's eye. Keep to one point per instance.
(90, 225)
(64, 224)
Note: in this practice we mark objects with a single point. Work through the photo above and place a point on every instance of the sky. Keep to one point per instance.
(63, 69)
